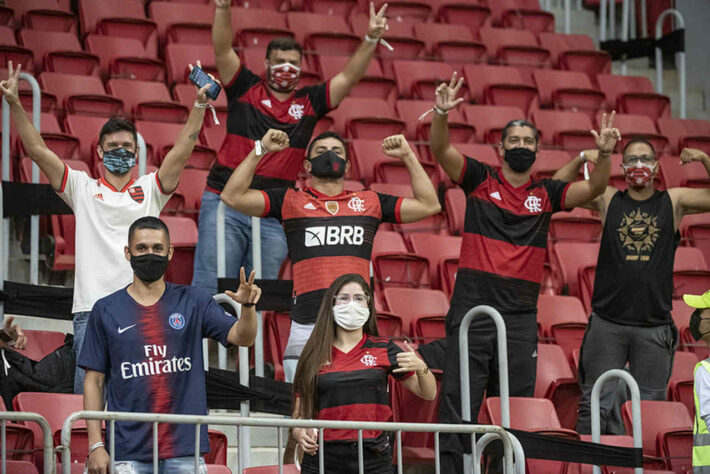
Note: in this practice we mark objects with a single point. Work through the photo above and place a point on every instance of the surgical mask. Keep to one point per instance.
(694, 324)
(351, 316)
(328, 165)
(119, 160)
(519, 159)
(283, 77)
(149, 267)
(640, 175)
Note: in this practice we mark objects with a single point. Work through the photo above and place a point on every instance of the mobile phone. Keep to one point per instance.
(200, 78)
(5, 337)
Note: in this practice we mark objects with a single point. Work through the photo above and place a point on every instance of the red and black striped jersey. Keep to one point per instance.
(327, 236)
(252, 111)
(353, 387)
(505, 238)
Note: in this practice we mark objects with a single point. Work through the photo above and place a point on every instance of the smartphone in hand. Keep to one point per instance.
(5, 337)
(200, 78)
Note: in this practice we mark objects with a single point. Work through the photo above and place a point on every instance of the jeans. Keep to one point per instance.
(607, 345)
(181, 465)
(238, 245)
(80, 320)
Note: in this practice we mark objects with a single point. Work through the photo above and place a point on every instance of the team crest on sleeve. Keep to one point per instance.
(137, 194)
(176, 320)
(332, 206)
(356, 204)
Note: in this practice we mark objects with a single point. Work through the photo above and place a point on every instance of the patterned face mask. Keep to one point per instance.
(640, 175)
(283, 77)
(119, 160)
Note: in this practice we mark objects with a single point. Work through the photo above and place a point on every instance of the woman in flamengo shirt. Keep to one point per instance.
(342, 375)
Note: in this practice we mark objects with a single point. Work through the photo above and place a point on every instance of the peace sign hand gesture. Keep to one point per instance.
(446, 93)
(9, 86)
(248, 293)
(608, 135)
(378, 22)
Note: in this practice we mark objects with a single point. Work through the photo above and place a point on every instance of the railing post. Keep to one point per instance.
(602, 20)
(222, 270)
(5, 177)
(142, 155)
(257, 264)
(34, 220)
(679, 59)
(635, 410)
(47, 441)
(624, 31)
(519, 454)
(568, 8)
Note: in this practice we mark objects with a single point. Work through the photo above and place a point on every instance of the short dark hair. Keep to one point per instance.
(147, 222)
(116, 124)
(283, 44)
(520, 123)
(322, 136)
(637, 140)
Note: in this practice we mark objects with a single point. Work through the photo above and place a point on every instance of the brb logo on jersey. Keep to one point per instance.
(533, 204)
(368, 360)
(334, 235)
(356, 204)
(177, 321)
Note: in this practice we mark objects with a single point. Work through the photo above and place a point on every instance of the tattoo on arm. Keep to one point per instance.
(194, 136)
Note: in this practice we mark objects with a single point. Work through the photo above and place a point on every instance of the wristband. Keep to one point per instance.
(433, 109)
(259, 149)
(96, 446)
(208, 106)
(369, 39)
(440, 111)
(248, 305)
(582, 157)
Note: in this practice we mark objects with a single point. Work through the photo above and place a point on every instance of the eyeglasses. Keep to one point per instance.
(644, 159)
(344, 298)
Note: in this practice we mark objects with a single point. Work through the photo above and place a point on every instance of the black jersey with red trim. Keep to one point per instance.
(505, 238)
(353, 387)
(327, 236)
(252, 111)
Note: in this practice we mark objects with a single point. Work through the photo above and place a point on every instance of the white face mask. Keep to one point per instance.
(351, 316)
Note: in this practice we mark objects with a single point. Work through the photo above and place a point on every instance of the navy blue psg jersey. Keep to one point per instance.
(152, 359)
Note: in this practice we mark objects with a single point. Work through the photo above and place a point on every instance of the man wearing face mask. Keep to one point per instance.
(633, 287)
(502, 255)
(144, 346)
(329, 230)
(255, 105)
(105, 207)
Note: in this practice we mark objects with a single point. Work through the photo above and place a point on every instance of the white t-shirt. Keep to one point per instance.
(103, 215)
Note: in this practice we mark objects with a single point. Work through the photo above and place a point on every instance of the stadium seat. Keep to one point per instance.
(437, 249)
(388, 324)
(562, 321)
(452, 44)
(159, 135)
(326, 34)
(667, 432)
(43, 15)
(695, 229)
(489, 120)
(521, 14)
(255, 27)
(691, 175)
(571, 258)
(690, 272)
(182, 22)
(681, 317)
(578, 225)
(514, 47)
(484, 153)
(678, 131)
(576, 52)
(500, 85)
(19, 467)
(624, 441)
(178, 56)
(373, 85)
(191, 186)
(568, 90)
(42, 343)
(366, 118)
(638, 126)
(183, 237)
(330, 7)
(411, 110)
(148, 100)
(19, 443)
(86, 129)
(58, 52)
(394, 265)
(125, 57)
(569, 130)
(18, 55)
(680, 384)
(455, 205)
(633, 95)
(409, 303)
(287, 469)
(473, 15)
(122, 18)
(7, 36)
(556, 382)
(418, 9)
(419, 79)
(83, 95)
(549, 161)
(425, 329)
(277, 327)
(400, 36)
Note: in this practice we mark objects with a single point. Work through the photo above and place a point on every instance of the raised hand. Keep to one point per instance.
(222, 3)
(307, 439)
(409, 361)
(591, 156)
(202, 91)
(15, 332)
(9, 87)
(378, 22)
(247, 293)
(274, 140)
(689, 155)
(396, 146)
(607, 136)
(446, 93)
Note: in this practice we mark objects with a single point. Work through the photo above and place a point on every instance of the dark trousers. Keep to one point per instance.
(341, 457)
(521, 330)
(607, 345)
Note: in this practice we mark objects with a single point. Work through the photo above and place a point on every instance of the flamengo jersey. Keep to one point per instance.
(152, 359)
(103, 215)
(327, 236)
(353, 387)
(505, 238)
(252, 111)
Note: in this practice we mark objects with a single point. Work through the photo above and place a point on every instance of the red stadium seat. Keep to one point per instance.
(690, 272)
(122, 18)
(159, 135)
(689, 259)
(514, 47)
(576, 53)
(287, 469)
(696, 230)
(20, 467)
(680, 384)
(277, 327)
(625, 442)
(400, 36)
(183, 237)
(148, 100)
(182, 22)
(43, 15)
(453, 44)
(389, 325)
(470, 14)
(373, 85)
(484, 153)
(221, 469)
(125, 57)
(255, 27)
(568, 90)
(562, 320)
(569, 130)
(548, 162)
(667, 432)
(412, 302)
(426, 329)
(394, 265)
(489, 120)
(42, 343)
(680, 312)
(578, 225)
(7, 36)
(500, 85)
(331, 7)
(366, 118)
(64, 145)
(59, 52)
(178, 56)
(18, 55)
(692, 175)
(80, 94)
(571, 258)
(634, 95)
(419, 79)
(86, 129)
(191, 186)
(373, 165)
(556, 382)
(679, 131)
(455, 205)
(419, 10)
(436, 249)
(522, 14)
(410, 111)
(326, 34)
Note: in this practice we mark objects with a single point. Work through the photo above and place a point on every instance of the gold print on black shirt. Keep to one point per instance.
(638, 232)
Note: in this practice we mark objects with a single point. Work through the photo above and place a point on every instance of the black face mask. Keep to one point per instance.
(149, 267)
(694, 324)
(328, 165)
(519, 159)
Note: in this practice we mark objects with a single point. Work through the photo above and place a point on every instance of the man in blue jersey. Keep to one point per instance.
(144, 343)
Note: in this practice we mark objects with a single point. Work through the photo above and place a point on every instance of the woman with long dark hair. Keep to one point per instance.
(342, 375)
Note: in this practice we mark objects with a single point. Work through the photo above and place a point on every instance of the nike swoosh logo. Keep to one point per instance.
(122, 330)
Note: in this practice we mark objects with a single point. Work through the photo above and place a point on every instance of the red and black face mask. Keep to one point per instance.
(283, 77)
(328, 165)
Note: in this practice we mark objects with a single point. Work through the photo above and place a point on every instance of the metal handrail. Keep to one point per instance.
(635, 410)
(142, 155)
(518, 453)
(47, 448)
(679, 59)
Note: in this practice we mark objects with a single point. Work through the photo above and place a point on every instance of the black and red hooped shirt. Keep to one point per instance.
(505, 238)
(327, 236)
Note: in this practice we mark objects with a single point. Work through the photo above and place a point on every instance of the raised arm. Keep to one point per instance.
(582, 192)
(425, 201)
(570, 172)
(222, 38)
(448, 157)
(343, 82)
(692, 200)
(99, 460)
(243, 332)
(50, 164)
(423, 383)
(236, 194)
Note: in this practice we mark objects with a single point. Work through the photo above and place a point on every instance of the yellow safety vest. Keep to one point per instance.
(701, 436)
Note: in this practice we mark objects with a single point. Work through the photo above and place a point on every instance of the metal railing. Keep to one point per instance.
(280, 425)
(679, 59)
(635, 410)
(48, 448)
